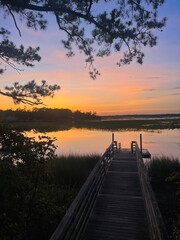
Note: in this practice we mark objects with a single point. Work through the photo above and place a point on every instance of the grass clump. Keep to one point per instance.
(160, 168)
(164, 173)
(73, 169)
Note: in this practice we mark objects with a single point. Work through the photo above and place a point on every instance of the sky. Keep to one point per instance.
(151, 88)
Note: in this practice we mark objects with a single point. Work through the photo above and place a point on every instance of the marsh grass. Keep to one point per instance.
(137, 124)
(160, 168)
(65, 176)
(72, 170)
(163, 172)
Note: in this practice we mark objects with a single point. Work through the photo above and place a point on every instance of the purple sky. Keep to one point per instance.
(153, 87)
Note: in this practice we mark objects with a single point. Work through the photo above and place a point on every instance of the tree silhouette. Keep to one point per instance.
(30, 93)
(124, 26)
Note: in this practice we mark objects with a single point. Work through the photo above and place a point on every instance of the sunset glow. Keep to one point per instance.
(153, 87)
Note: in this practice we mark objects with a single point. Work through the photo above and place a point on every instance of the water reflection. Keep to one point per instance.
(83, 141)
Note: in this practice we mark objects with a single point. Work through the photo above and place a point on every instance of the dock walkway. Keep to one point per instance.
(116, 202)
(119, 211)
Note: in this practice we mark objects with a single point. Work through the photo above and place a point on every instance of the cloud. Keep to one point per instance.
(176, 88)
(148, 89)
(149, 97)
(152, 77)
(175, 94)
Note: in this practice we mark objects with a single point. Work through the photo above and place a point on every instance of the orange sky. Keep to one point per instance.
(153, 87)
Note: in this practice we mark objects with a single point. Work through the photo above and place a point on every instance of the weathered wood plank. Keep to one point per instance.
(119, 212)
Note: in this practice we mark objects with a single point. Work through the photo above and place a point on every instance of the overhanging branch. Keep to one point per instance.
(15, 23)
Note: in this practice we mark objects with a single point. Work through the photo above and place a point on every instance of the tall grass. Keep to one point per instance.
(63, 179)
(164, 173)
(65, 176)
(72, 170)
(160, 168)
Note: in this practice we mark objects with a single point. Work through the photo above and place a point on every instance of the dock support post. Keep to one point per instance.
(141, 143)
(112, 137)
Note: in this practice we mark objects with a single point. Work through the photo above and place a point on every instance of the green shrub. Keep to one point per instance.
(36, 187)
(164, 173)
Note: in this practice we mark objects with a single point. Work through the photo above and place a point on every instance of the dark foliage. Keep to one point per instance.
(165, 180)
(24, 204)
(35, 186)
(63, 116)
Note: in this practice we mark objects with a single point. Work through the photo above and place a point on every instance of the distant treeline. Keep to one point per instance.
(46, 114)
(141, 116)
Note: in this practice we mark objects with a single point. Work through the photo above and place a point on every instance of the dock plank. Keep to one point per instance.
(119, 211)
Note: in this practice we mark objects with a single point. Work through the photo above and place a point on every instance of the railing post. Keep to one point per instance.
(141, 143)
(112, 137)
(133, 147)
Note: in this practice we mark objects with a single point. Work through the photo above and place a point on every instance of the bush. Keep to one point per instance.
(164, 173)
(36, 187)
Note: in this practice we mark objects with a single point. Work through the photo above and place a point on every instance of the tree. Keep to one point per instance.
(122, 26)
(25, 194)
(30, 93)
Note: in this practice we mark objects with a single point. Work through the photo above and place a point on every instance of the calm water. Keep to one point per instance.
(82, 141)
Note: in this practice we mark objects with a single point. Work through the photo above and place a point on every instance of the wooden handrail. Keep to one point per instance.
(75, 219)
(156, 225)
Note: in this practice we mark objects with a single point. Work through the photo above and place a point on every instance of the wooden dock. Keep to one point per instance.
(119, 212)
(115, 203)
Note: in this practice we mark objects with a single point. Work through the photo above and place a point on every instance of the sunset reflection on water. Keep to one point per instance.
(85, 141)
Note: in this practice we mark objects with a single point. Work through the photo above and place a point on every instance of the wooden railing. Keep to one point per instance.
(74, 221)
(156, 225)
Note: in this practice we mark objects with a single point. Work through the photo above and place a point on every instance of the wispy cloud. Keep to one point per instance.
(148, 89)
(152, 77)
(175, 94)
(176, 88)
(149, 97)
